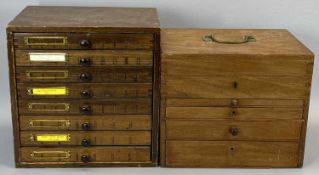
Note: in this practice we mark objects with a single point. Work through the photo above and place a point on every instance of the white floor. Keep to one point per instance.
(311, 164)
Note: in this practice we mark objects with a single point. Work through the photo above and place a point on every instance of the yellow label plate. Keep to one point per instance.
(53, 138)
(48, 91)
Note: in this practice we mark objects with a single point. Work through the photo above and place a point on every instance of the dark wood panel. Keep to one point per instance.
(236, 113)
(84, 90)
(63, 107)
(90, 123)
(95, 154)
(74, 40)
(288, 130)
(84, 58)
(84, 138)
(231, 154)
(84, 75)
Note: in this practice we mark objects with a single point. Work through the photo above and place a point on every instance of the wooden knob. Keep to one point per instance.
(235, 84)
(86, 126)
(85, 94)
(85, 61)
(233, 131)
(85, 43)
(85, 76)
(85, 143)
(85, 110)
(234, 102)
(85, 158)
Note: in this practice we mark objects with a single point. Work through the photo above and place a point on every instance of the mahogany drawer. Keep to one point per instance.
(81, 74)
(85, 107)
(84, 58)
(272, 130)
(99, 154)
(84, 90)
(85, 123)
(234, 64)
(238, 113)
(231, 154)
(278, 87)
(84, 138)
(82, 41)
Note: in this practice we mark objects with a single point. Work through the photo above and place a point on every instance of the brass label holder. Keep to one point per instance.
(38, 40)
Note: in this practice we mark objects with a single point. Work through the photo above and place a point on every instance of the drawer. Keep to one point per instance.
(92, 123)
(97, 74)
(84, 58)
(135, 106)
(235, 86)
(85, 155)
(82, 41)
(231, 154)
(84, 90)
(234, 64)
(273, 130)
(235, 102)
(233, 113)
(84, 138)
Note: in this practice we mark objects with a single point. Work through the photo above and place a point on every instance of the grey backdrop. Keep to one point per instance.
(299, 16)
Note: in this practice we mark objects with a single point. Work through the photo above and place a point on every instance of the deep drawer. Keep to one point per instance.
(238, 113)
(231, 154)
(82, 41)
(56, 107)
(84, 58)
(92, 154)
(84, 138)
(273, 130)
(283, 87)
(84, 90)
(97, 74)
(91, 123)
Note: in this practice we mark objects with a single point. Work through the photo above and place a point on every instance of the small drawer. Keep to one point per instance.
(137, 106)
(276, 87)
(84, 91)
(231, 154)
(82, 41)
(238, 113)
(85, 139)
(272, 130)
(99, 154)
(84, 75)
(90, 123)
(84, 58)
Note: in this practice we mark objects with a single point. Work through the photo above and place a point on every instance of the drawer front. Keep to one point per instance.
(233, 113)
(138, 106)
(97, 74)
(235, 87)
(233, 130)
(236, 64)
(96, 154)
(91, 138)
(82, 41)
(91, 123)
(84, 91)
(231, 154)
(84, 58)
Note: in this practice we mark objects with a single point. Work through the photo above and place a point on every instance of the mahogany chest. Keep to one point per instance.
(84, 86)
(233, 98)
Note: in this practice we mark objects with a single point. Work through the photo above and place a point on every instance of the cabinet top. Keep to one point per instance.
(73, 19)
(231, 42)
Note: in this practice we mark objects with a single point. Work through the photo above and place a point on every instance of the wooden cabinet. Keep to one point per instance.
(85, 86)
(233, 98)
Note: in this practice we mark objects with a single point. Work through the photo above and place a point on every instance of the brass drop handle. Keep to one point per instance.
(246, 39)
(233, 131)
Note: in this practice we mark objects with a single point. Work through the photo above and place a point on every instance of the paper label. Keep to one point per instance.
(48, 91)
(53, 138)
(47, 57)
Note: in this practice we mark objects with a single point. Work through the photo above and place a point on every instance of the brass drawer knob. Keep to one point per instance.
(85, 76)
(86, 126)
(85, 158)
(85, 94)
(85, 61)
(233, 131)
(85, 44)
(85, 110)
(85, 143)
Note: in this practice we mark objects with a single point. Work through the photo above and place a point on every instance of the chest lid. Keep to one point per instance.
(261, 42)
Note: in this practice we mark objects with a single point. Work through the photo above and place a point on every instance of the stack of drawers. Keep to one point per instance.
(84, 98)
(233, 98)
